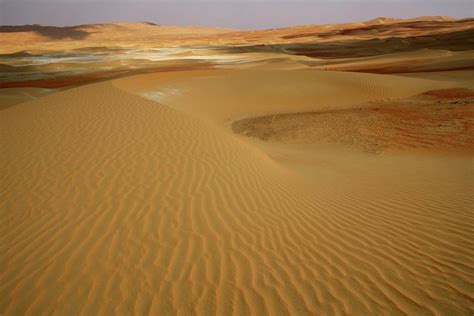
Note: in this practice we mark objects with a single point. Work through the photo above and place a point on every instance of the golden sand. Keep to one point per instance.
(312, 170)
(117, 204)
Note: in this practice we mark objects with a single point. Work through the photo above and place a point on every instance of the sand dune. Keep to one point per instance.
(115, 204)
(236, 174)
(439, 121)
(225, 95)
(47, 38)
(417, 61)
(34, 56)
(38, 38)
(9, 97)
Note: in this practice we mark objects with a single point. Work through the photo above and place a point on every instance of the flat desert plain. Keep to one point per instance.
(313, 170)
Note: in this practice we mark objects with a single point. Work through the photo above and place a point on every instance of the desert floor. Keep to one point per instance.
(266, 188)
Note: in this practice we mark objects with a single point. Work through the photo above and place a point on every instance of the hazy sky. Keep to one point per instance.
(244, 14)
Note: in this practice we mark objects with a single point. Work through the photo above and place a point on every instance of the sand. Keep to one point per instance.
(438, 121)
(12, 96)
(310, 170)
(135, 196)
(38, 38)
(424, 60)
(35, 56)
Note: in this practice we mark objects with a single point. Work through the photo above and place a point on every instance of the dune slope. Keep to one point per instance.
(117, 204)
(222, 95)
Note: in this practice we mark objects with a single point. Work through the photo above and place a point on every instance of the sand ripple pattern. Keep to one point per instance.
(112, 204)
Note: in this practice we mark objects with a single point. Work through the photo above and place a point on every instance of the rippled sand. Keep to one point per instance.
(117, 204)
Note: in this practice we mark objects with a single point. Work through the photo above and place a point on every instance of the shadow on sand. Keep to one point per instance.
(454, 41)
(51, 32)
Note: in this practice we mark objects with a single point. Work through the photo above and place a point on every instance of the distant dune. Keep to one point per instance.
(34, 56)
(114, 34)
(16, 38)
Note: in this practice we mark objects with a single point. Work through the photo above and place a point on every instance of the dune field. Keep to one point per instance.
(242, 181)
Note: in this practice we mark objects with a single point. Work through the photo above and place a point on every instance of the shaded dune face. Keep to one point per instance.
(48, 32)
(117, 205)
(416, 61)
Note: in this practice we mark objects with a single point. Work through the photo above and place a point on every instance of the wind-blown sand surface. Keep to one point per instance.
(117, 204)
